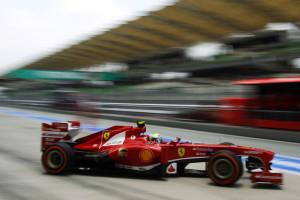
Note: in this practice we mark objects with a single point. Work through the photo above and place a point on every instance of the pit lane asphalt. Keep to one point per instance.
(22, 177)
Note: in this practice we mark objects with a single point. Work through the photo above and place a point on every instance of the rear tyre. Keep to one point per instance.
(58, 159)
(224, 168)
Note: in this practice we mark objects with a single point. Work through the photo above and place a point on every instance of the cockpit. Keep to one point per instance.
(157, 138)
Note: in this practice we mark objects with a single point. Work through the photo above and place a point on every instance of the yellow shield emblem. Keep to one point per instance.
(181, 151)
(106, 135)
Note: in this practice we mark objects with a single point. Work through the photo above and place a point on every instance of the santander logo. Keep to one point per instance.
(172, 168)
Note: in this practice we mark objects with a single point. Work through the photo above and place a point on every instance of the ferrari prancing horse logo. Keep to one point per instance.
(106, 135)
(181, 151)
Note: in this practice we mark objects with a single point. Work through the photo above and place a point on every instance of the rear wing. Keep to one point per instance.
(58, 131)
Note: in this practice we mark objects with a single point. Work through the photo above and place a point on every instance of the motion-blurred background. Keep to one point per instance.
(234, 62)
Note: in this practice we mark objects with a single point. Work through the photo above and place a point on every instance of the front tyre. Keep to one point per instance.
(224, 168)
(58, 159)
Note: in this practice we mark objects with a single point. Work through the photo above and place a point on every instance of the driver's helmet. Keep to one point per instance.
(140, 124)
(155, 137)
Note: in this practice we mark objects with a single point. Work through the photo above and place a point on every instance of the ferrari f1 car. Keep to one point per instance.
(130, 148)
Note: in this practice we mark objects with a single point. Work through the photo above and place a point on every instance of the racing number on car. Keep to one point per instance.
(106, 135)
(181, 151)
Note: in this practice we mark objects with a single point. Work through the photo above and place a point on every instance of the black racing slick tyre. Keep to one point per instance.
(224, 168)
(58, 159)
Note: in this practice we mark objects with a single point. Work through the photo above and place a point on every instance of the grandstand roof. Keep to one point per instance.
(182, 24)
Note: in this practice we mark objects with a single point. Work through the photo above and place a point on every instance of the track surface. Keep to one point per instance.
(22, 176)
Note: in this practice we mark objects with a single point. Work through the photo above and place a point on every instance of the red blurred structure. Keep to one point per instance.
(275, 103)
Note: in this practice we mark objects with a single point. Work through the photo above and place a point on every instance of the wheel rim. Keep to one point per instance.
(55, 159)
(223, 168)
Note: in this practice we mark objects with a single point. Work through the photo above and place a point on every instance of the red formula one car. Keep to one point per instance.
(131, 148)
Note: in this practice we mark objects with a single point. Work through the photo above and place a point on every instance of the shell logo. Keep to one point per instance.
(146, 155)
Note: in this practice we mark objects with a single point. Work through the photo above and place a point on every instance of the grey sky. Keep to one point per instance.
(33, 28)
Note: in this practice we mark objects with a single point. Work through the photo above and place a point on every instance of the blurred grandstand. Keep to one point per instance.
(177, 62)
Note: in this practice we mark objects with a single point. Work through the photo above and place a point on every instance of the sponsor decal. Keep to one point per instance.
(252, 152)
(50, 139)
(146, 155)
(132, 137)
(106, 135)
(200, 154)
(122, 153)
(202, 149)
(181, 151)
(61, 125)
(172, 168)
(53, 134)
(268, 177)
(53, 130)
